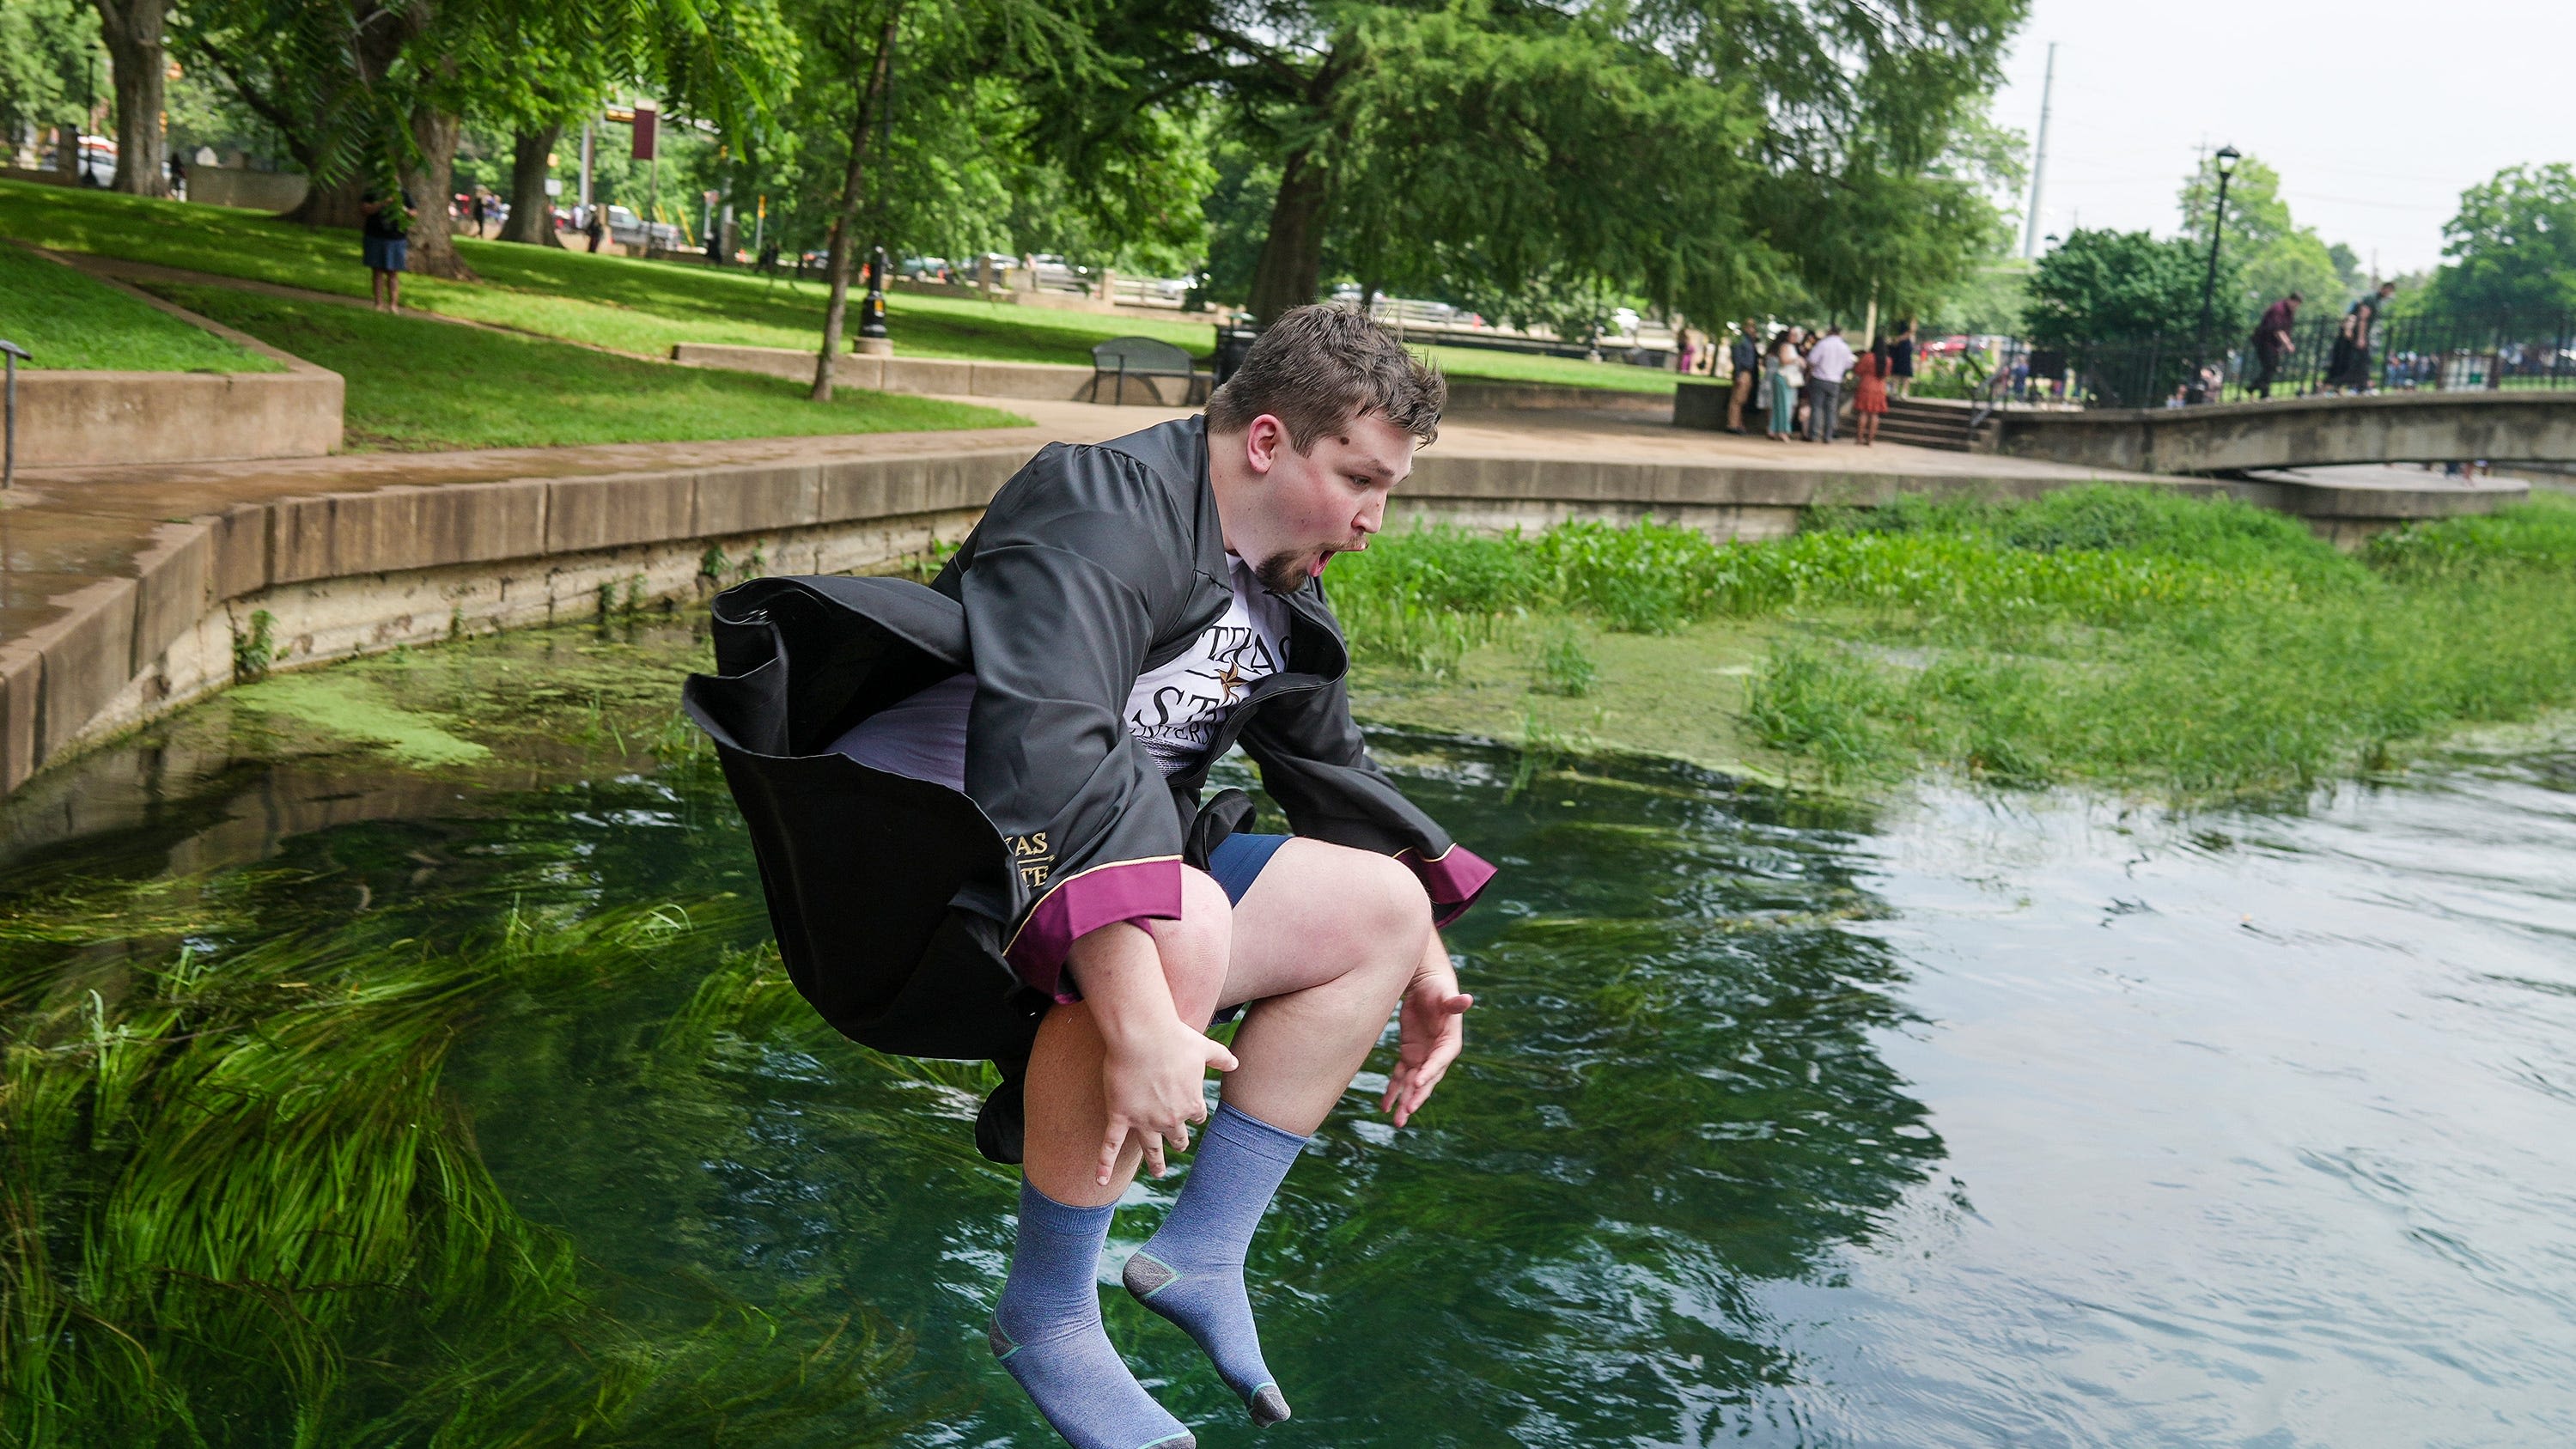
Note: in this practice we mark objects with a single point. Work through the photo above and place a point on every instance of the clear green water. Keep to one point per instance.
(1971, 1120)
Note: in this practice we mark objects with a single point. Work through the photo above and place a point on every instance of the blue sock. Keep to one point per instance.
(1191, 1271)
(1047, 1332)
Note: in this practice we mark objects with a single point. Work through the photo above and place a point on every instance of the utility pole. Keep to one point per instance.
(588, 128)
(2039, 158)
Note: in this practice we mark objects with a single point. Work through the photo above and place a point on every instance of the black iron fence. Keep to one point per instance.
(2447, 352)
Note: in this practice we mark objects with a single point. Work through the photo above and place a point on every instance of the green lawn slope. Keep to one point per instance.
(419, 384)
(68, 321)
(637, 306)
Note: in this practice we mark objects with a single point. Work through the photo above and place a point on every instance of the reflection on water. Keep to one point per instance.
(1973, 1122)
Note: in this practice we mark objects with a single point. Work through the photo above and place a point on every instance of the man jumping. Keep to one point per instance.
(1123, 614)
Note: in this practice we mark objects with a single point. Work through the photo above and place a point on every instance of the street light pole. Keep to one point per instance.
(2225, 160)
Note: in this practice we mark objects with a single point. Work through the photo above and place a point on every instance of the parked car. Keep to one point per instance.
(627, 230)
(1053, 273)
(96, 161)
(928, 269)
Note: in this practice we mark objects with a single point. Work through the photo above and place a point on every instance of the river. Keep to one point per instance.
(1961, 1119)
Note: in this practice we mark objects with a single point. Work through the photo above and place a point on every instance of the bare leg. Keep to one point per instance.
(1324, 943)
(1066, 1102)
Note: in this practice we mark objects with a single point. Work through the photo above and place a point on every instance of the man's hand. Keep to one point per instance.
(1431, 1031)
(1154, 1071)
(1154, 1080)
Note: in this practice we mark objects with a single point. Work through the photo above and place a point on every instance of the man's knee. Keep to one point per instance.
(1388, 904)
(1195, 948)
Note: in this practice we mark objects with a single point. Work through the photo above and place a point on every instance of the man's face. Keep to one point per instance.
(1307, 507)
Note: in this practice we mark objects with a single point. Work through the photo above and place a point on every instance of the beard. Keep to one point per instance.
(1284, 572)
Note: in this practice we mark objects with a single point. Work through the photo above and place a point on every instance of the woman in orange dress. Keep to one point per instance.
(1870, 401)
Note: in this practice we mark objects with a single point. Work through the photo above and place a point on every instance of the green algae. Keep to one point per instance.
(356, 708)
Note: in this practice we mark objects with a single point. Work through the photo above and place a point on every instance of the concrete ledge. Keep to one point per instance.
(75, 419)
(531, 537)
(2404, 427)
(1467, 394)
(72, 419)
(931, 376)
(1057, 382)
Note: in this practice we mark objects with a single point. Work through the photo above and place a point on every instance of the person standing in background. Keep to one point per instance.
(1869, 396)
(1786, 375)
(2272, 340)
(1745, 356)
(1827, 364)
(385, 240)
(1900, 360)
(1684, 352)
(595, 228)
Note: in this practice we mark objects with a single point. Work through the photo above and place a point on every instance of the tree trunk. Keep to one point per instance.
(132, 30)
(330, 204)
(432, 183)
(845, 222)
(532, 212)
(1292, 256)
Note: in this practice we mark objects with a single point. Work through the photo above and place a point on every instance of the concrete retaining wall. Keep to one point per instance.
(944, 376)
(250, 190)
(301, 580)
(70, 419)
(348, 573)
(1056, 382)
(75, 419)
(2297, 432)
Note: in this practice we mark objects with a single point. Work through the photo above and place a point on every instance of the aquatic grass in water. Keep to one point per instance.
(2139, 638)
(240, 1206)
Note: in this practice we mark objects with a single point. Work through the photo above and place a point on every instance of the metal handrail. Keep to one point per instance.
(11, 354)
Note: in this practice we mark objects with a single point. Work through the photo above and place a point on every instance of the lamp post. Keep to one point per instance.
(872, 340)
(2225, 161)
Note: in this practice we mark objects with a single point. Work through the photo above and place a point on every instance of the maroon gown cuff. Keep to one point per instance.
(1128, 890)
(1453, 880)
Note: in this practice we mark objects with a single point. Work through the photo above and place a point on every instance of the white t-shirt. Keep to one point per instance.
(1176, 709)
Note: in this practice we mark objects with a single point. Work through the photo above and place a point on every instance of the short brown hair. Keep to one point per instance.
(1318, 367)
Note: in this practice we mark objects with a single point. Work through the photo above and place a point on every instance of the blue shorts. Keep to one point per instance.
(1237, 861)
(386, 253)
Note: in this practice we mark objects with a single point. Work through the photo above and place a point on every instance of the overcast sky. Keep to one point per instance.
(2375, 113)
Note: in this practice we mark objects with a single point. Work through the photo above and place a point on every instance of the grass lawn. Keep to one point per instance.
(417, 384)
(637, 306)
(1475, 364)
(69, 321)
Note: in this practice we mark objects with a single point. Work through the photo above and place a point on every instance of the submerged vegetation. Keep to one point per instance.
(2191, 648)
(240, 1206)
(244, 1199)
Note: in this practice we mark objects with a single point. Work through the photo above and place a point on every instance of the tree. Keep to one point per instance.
(45, 48)
(1728, 148)
(952, 54)
(2273, 256)
(133, 30)
(2512, 247)
(322, 73)
(2118, 286)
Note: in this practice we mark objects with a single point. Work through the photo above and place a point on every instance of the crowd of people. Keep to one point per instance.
(1796, 377)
